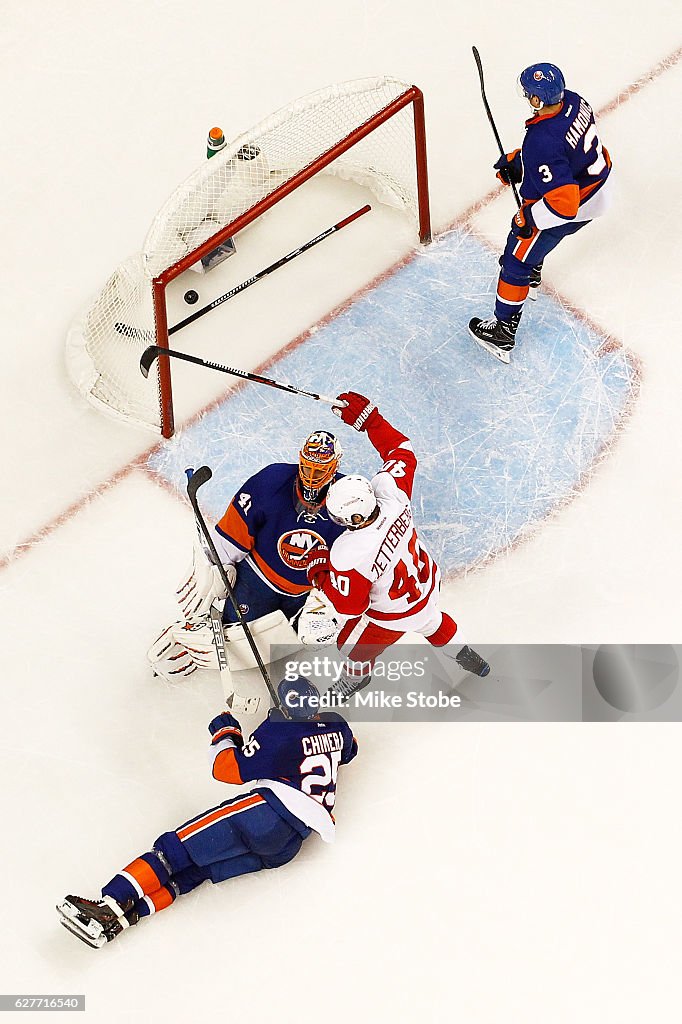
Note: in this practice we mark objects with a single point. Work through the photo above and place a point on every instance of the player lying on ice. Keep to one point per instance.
(272, 522)
(563, 172)
(377, 572)
(292, 761)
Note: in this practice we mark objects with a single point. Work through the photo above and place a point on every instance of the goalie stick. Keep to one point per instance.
(139, 334)
(195, 480)
(150, 354)
(479, 65)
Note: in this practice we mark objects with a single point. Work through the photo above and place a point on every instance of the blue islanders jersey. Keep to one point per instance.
(297, 761)
(564, 162)
(266, 523)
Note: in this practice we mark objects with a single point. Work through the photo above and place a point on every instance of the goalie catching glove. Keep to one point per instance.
(202, 584)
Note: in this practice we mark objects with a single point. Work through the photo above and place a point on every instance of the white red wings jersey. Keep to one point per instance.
(382, 570)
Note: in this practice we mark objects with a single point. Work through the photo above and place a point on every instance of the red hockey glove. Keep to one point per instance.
(523, 224)
(317, 563)
(509, 168)
(358, 411)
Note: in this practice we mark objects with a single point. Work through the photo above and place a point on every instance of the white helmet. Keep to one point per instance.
(351, 501)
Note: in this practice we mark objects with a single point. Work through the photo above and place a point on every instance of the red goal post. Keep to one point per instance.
(371, 131)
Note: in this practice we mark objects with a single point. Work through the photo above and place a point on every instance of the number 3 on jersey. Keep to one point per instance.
(406, 579)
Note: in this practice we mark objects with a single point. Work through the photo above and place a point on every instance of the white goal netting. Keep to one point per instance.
(106, 341)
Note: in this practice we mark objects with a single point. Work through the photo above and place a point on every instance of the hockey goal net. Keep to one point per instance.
(369, 131)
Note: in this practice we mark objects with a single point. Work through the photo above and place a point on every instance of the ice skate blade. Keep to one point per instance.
(533, 294)
(90, 931)
(499, 353)
(71, 926)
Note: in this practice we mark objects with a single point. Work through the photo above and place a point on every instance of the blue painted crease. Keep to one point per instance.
(499, 446)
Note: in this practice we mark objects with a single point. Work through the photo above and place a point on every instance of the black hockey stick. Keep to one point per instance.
(479, 65)
(195, 481)
(235, 702)
(150, 354)
(142, 335)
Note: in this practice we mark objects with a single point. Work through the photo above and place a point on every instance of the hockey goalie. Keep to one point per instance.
(271, 524)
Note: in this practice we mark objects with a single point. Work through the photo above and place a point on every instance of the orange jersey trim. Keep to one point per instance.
(218, 814)
(234, 528)
(563, 201)
(543, 117)
(226, 769)
(279, 581)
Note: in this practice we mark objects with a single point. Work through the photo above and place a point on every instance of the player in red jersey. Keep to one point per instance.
(378, 573)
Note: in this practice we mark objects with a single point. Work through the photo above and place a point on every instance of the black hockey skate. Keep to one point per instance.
(470, 661)
(495, 336)
(535, 282)
(94, 922)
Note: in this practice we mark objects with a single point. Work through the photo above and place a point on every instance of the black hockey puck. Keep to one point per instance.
(191, 297)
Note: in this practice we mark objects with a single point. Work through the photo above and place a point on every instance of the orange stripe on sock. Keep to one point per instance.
(161, 899)
(144, 875)
(220, 812)
(511, 292)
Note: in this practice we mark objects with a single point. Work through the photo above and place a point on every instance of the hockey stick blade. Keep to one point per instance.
(147, 358)
(198, 478)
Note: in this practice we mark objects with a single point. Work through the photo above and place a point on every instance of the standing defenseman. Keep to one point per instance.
(563, 171)
(293, 763)
(377, 572)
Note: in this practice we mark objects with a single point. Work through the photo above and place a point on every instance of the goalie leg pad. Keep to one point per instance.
(196, 639)
(267, 631)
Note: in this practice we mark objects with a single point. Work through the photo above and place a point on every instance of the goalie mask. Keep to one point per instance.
(318, 462)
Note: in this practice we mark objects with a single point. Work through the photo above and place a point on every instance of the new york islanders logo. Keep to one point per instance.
(538, 75)
(294, 544)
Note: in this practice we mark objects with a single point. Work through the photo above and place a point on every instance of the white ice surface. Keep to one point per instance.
(483, 873)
